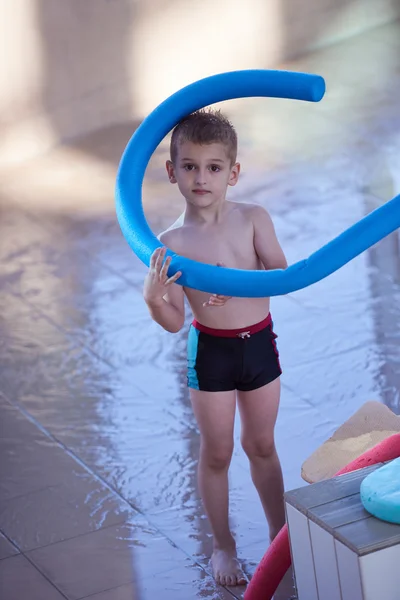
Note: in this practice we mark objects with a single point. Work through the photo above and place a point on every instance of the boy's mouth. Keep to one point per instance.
(200, 192)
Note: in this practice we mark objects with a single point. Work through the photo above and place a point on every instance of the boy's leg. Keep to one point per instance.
(215, 414)
(258, 411)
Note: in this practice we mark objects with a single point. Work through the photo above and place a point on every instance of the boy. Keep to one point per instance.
(232, 355)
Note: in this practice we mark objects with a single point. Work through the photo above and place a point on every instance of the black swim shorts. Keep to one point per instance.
(221, 360)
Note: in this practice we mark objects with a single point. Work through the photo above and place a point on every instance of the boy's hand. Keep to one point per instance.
(156, 281)
(217, 299)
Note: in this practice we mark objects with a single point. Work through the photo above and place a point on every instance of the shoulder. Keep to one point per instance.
(169, 235)
(173, 236)
(255, 212)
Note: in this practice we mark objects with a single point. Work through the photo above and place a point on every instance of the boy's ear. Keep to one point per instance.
(170, 171)
(234, 176)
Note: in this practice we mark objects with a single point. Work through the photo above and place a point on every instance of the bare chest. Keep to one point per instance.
(232, 246)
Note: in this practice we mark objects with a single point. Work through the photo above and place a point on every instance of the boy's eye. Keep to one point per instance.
(213, 168)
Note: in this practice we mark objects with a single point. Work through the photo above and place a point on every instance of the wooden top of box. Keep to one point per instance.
(335, 505)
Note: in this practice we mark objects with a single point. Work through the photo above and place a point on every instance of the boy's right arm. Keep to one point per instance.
(164, 298)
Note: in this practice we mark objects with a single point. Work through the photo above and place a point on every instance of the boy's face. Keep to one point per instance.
(203, 173)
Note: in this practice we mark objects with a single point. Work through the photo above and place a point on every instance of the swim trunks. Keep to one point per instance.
(222, 360)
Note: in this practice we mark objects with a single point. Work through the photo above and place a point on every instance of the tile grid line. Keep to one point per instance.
(101, 479)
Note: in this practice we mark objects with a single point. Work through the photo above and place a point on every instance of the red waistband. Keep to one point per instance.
(231, 333)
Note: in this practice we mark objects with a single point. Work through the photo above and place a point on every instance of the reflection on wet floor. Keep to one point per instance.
(98, 493)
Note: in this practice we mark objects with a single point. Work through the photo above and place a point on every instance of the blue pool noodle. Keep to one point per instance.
(210, 278)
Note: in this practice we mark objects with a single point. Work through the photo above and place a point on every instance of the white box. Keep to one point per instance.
(339, 551)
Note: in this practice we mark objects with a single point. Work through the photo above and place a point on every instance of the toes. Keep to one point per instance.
(241, 578)
(229, 574)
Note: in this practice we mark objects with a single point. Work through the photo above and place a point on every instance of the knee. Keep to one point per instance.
(216, 457)
(258, 448)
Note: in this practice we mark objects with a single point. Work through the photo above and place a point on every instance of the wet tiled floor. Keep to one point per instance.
(98, 494)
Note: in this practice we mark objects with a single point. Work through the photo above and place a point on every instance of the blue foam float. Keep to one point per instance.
(210, 278)
(380, 492)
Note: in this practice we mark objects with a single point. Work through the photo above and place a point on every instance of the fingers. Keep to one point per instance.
(160, 267)
(217, 300)
(160, 258)
(164, 268)
(173, 278)
(153, 258)
(158, 264)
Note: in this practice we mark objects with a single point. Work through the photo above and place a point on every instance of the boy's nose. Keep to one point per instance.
(201, 177)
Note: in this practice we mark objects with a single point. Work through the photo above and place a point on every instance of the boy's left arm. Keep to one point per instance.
(266, 243)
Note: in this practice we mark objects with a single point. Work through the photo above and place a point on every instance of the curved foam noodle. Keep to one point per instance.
(210, 278)
(380, 492)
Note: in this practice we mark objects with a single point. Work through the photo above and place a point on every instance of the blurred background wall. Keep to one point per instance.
(73, 66)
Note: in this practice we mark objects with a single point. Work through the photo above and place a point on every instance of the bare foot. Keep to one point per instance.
(226, 568)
